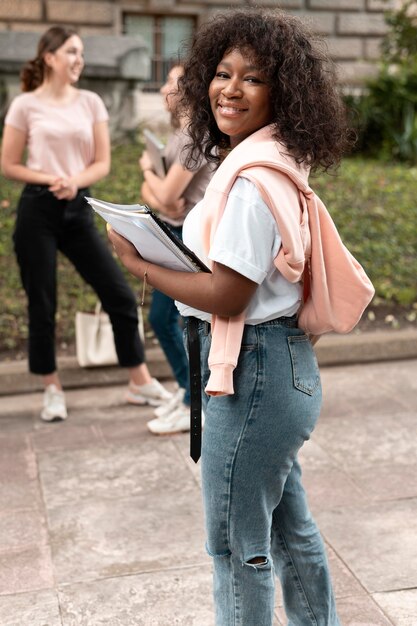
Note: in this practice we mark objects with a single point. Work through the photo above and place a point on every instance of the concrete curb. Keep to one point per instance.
(331, 350)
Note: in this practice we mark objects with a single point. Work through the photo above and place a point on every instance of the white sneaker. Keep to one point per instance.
(152, 393)
(177, 421)
(174, 403)
(53, 404)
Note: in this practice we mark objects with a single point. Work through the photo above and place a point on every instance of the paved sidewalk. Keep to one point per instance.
(332, 349)
(101, 522)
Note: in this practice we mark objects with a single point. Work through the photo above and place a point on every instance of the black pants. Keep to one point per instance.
(45, 225)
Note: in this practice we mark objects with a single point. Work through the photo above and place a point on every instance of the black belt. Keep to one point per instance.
(193, 340)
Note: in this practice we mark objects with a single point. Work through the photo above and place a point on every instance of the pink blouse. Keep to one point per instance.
(60, 139)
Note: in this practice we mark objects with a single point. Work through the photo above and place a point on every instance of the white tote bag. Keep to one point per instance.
(94, 339)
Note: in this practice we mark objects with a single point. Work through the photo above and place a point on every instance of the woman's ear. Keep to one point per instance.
(48, 59)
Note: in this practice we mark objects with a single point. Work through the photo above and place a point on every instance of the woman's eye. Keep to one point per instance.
(253, 79)
(222, 75)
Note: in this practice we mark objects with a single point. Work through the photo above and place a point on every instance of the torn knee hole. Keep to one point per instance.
(257, 562)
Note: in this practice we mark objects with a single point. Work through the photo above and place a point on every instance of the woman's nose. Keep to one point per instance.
(232, 89)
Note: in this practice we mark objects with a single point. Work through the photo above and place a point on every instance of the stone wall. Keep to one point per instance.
(352, 28)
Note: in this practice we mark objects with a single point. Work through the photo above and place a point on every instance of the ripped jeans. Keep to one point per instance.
(257, 518)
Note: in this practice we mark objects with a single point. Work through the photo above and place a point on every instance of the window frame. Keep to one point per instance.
(158, 71)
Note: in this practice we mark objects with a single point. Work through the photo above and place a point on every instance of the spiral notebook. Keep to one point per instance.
(152, 238)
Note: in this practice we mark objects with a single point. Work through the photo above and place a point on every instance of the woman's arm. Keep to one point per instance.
(223, 292)
(170, 188)
(13, 145)
(66, 188)
(175, 210)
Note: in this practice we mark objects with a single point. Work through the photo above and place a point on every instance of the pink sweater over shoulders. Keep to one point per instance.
(336, 288)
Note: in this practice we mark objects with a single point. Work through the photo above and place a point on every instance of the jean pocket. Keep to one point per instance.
(305, 369)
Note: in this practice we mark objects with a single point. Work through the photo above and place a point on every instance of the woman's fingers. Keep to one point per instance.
(121, 245)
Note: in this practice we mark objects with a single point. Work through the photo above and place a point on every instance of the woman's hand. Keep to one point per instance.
(126, 252)
(145, 162)
(64, 189)
(176, 210)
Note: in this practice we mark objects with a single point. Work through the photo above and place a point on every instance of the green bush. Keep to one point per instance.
(373, 205)
(387, 110)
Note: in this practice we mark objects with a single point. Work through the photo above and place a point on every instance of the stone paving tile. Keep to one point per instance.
(399, 377)
(19, 529)
(344, 582)
(25, 569)
(30, 609)
(326, 484)
(15, 443)
(369, 440)
(387, 482)
(115, 471)
(25, 559)
(19, 423)
(22, 408)
(182, 597)
(399, 606)
(377, 543)
(331, 489)
(105, 538)
(63, 436)
(19, 486)
(352, 611)
(365, 387)
(129, 430)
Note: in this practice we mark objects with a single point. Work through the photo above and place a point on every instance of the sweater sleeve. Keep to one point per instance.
(227, 335)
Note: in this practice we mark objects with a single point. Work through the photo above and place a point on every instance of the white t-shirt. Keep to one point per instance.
(247, 240)
(60, 139)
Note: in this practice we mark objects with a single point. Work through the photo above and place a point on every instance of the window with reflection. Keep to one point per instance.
(165, 36)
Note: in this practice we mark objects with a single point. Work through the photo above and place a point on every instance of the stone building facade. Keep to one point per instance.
(352, 28)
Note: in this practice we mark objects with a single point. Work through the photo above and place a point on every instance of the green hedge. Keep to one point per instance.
(387, 110)
(373, 205)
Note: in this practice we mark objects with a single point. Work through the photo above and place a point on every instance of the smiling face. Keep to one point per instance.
(67, 62)
(239, 96)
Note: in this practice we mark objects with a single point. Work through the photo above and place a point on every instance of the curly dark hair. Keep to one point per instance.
(308, 113)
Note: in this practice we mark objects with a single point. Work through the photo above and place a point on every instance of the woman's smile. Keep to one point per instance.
(239, 96)
(228, 110)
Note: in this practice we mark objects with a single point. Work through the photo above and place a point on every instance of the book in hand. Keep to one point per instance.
(155, 149)
(151, 237)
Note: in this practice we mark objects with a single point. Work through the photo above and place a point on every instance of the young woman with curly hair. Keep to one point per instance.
(258, 89)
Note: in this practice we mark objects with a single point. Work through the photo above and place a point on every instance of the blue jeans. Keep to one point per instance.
(255, 505)
(165, 321)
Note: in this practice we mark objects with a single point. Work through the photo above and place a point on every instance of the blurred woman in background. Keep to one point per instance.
(65, 132)
(173, 197)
